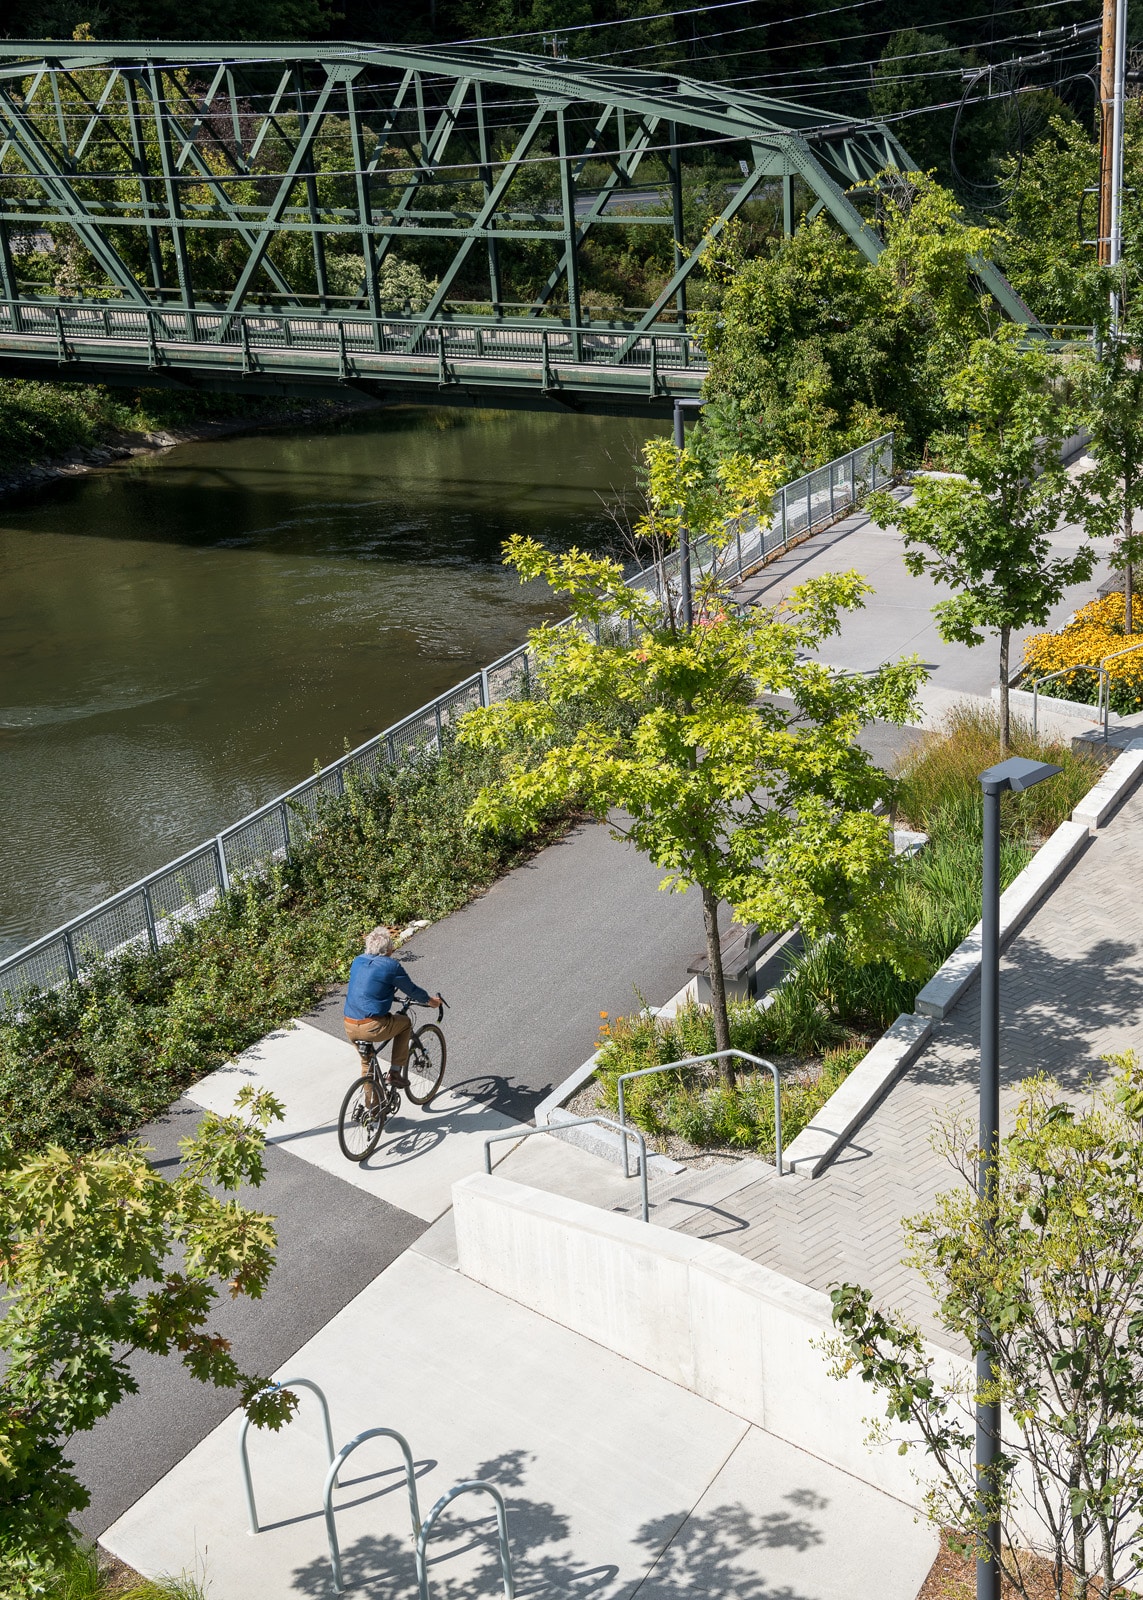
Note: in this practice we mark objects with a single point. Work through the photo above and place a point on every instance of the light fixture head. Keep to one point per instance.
(1017, 773)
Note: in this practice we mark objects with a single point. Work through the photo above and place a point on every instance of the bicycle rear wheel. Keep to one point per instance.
(362, 1118)
(426, 1064)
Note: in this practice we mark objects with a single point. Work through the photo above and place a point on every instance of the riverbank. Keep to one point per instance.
(53, 432)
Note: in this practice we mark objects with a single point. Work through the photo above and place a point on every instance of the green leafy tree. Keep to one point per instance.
(1051, 1263)
(987, 533)
(100, 1257)
(1113, 490)
(682, 742)
(814, 350)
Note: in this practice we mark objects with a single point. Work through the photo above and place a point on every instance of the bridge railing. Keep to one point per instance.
(154, 910)
(70, 324)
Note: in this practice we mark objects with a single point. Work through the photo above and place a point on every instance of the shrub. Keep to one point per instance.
(1096, 630)
(697, 1104)
(939, 780)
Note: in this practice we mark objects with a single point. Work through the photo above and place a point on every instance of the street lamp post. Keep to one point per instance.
(684, 539)
(1015, 774)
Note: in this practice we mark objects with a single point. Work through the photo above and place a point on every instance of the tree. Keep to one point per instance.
(1057, 1280)
(814, 350)
(87, 1246)
(1113, 491)
(987, 534)
(765, 803)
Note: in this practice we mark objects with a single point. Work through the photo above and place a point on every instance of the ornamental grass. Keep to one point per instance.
(1094, 633)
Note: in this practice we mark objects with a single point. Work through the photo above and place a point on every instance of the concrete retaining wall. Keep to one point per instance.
(724, 1327)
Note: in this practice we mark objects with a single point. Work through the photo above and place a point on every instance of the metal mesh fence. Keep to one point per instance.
(191, 885)
(153, 910)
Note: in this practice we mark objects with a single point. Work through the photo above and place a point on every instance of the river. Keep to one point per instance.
(184, 636)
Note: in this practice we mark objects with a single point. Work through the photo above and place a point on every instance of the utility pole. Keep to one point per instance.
(1119, 81)
(1106, 128)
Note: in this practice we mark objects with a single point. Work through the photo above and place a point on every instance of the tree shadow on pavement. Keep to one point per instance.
(1055, 1016)
(720, 1554)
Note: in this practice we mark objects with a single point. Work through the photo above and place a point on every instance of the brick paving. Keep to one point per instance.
(1071, 993)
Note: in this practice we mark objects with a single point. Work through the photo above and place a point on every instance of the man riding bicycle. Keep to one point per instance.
(374, 978)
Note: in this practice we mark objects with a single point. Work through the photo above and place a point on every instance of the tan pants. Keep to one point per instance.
(395, 1026)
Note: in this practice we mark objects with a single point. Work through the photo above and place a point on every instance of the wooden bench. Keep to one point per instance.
(741, 947)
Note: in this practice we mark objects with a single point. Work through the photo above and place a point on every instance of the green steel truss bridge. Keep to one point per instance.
(415, 222)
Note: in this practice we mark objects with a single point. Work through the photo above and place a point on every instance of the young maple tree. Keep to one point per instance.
(720, 751)
(988, 532)
(86, 1249)
(1048, 1270)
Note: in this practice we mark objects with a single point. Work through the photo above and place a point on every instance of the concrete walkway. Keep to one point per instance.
(618, 1483)
(897, 619)
(1071, 994)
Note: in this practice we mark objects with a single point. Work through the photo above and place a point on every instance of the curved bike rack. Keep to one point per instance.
(473, 1486)
(244, 1454)
(335, 1465)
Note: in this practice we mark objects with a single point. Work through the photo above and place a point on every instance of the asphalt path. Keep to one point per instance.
(527, 968)
(332, 1240)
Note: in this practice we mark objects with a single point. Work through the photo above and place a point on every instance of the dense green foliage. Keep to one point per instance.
(86, 1063)
(102, 1257)
(696, 1103)
(79, 1577)
(39, 421)
(814, 350)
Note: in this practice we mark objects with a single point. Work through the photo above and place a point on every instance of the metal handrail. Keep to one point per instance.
(1103, 695)
(243, 1450)
(1064, 672)
(335, 1466)
(472, 1486)
(579, 1122)
(698, 1061)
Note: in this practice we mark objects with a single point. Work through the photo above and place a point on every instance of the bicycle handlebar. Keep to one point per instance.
(441, 1009)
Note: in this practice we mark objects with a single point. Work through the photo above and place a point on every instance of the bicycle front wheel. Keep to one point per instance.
(426, 1063)
(361, 1119)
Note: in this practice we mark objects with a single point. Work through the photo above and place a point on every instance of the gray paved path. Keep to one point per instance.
(1071, 993)
(897, 618)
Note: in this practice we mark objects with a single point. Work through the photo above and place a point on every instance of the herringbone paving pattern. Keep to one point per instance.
(1071, 993)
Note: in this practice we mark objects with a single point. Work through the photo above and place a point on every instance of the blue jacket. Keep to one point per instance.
(372, 983)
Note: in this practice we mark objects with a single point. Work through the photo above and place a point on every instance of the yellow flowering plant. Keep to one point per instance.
(1096, 632)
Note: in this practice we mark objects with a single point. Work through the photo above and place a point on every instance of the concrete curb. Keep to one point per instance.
(851, 1103)
(1021, 701)
(602, 1141)
(607, 1143)
(1115, 785)
(1042, 873)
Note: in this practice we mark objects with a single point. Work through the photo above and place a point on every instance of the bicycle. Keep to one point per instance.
(371, 1099)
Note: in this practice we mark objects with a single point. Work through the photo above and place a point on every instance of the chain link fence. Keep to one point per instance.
(154, 910)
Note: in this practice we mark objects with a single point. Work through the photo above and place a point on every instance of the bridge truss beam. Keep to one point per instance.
(361, 184)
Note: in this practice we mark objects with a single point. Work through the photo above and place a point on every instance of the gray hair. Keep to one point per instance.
(378, 942)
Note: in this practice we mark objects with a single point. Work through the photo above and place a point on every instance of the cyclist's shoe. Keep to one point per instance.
(399, 1080)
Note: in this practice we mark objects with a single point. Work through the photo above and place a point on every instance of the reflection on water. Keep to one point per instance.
(183, 637)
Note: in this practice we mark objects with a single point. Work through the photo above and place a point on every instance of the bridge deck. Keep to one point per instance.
(581, 366)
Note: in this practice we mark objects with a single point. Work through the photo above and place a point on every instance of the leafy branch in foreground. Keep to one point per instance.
(720, 751)
(1058, 1279)
(101, 1257)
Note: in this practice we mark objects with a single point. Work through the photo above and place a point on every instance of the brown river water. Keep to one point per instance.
(184, 636)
